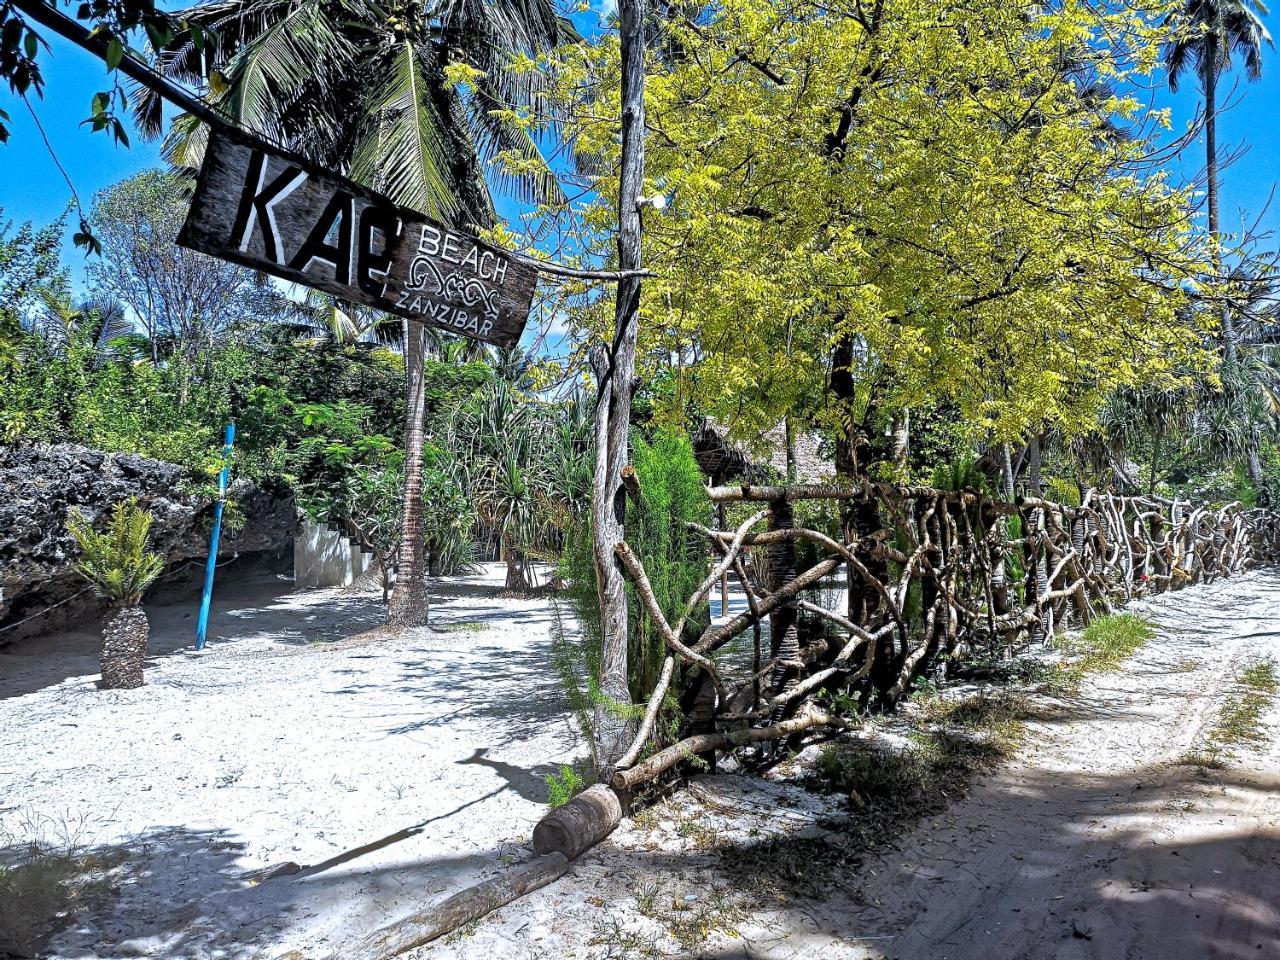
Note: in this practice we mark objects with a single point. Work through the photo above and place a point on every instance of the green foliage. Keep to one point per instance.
(116, 561)
(563, 786)
(672, 495)
(961, 473)
(30, 260)
(806, 212)
(1062, 490)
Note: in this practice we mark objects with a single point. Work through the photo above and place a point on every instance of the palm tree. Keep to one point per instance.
(1210, 32)
(363, 87)
(119, 567)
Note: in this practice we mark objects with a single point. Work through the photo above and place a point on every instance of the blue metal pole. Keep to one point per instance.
(224, 479)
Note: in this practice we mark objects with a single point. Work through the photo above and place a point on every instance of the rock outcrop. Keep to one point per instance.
(39, 485)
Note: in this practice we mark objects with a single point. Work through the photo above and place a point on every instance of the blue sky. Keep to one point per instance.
(31, 188)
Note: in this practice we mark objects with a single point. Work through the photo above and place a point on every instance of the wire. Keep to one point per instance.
(56, 162)
(54, 606)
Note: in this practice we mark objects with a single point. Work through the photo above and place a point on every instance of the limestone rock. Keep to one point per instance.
(40, 484)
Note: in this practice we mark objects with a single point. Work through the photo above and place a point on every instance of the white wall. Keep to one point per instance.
(322, 557)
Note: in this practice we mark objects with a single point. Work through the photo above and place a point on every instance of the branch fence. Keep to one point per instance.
(951, 574)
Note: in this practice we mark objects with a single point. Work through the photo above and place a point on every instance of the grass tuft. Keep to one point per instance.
(1239, 721)
(1109, 641)
(889, 786)
(44, 880)
(1103, 646)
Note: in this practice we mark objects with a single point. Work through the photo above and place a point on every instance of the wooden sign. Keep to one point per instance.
(285, 216)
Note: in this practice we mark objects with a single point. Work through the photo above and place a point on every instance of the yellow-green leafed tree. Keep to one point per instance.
(890, 203)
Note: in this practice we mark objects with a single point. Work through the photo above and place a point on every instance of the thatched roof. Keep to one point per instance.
(723, 459)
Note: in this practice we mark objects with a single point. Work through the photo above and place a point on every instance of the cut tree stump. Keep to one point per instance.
(463, 907)
(580, 824)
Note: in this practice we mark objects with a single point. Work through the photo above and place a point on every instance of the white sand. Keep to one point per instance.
(402, 770)
(1096, 844)
(394, 772)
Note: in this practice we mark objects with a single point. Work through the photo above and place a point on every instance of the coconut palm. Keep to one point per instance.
(342, 322)
(1210, 33)
(64, 323)
(363, 87)
(118, 565)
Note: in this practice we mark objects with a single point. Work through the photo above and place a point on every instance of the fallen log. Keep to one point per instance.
(664, 760)
(463, 907)
(579, 824)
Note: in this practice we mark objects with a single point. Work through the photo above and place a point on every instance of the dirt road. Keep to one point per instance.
(1102, 843)
(1098, 842)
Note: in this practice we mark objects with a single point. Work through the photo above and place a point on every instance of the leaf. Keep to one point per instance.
(115, 53)
(405, 154)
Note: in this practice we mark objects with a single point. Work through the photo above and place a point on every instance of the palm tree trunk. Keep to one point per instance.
(517, 576)
(125, 631)
(1210, 79)
(409, 606)
(1253, 463)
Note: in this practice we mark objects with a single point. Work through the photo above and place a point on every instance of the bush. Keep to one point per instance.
(117, 562)
(672, 494)
(563, 786)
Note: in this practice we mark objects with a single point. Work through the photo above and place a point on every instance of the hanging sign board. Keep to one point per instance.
(285, 216)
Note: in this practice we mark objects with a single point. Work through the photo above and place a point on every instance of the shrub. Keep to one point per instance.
(563, 786)
(116, 562)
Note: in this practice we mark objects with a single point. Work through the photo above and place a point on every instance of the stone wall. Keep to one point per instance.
(40, 484)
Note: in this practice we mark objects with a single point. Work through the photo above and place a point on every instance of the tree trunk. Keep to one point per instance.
(1006, 471)
(517, 579)
(1253, 463)
(860, 517)
(1210, 79)
(612, 733)
(1155, 460)
(1230, 349)
(125, 632)
(409, 606)
(1034, 462)
(789, 435)
(900, 449)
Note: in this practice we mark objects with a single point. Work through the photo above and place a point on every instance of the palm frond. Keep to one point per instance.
(116, 562)
(403, 154)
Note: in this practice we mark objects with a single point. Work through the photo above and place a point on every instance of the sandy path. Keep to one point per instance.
(403, 770)
(1095, 844)
(1100, 844)
(392, 772)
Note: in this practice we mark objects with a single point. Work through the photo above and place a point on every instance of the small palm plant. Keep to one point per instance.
(120, 568)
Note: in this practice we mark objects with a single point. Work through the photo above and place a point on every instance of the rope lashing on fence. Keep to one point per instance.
(951, 573)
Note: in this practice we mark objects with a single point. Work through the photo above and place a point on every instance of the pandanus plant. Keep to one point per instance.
(118, 565)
